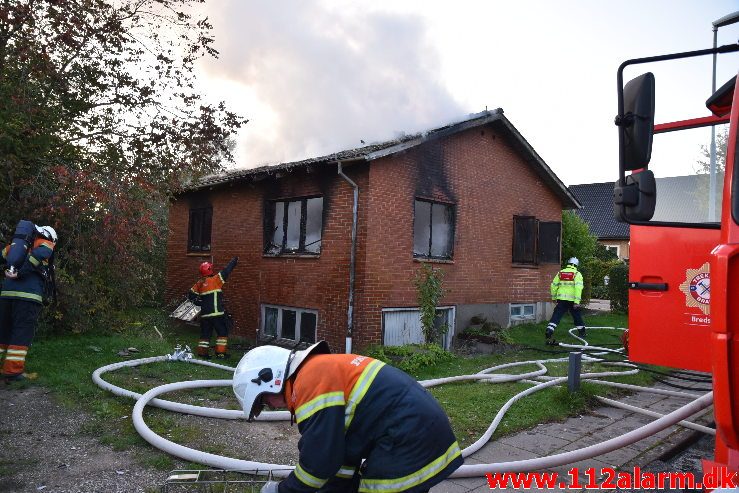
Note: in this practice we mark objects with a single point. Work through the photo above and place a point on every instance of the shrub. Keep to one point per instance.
(430, 290)
(599, 292)
(410, 357)
(618, 288)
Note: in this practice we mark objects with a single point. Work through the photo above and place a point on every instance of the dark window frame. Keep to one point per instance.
(298, 326)
(533, 250)
(199, 229)
(270, 211)
(452, 214)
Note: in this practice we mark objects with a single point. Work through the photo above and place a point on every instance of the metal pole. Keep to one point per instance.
(573, 372)
(723, 21)
(712, 163)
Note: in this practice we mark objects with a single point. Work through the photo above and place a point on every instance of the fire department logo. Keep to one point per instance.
(697, 288)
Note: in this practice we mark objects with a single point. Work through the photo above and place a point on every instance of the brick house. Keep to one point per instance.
(472, 197)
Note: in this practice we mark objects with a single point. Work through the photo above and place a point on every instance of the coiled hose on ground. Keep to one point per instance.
(537, 378)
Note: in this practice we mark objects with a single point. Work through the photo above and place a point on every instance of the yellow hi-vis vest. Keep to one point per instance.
(567, 285)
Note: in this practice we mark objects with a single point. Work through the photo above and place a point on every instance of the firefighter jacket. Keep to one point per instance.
(567, 285)
(350, 408)
(208, 293)
(32, 275)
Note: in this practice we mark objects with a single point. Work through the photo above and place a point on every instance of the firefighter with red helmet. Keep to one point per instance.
(208, 294)
(25, 289)
(364, 425)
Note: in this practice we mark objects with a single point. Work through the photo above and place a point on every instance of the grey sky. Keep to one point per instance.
(320, 76)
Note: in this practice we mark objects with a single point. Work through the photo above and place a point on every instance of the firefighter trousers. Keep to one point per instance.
(18, 320)
(564, 306)
(208, 325)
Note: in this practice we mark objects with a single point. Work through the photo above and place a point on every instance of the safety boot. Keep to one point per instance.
(549, 337)
(581, 331)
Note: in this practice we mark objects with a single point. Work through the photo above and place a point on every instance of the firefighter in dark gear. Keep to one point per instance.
(27, 275)
(566, 290)
(207, 293)
(365, 426)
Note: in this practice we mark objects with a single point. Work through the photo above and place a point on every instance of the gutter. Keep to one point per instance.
(353, 261)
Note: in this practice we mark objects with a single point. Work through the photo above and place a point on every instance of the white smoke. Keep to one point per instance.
(315, 78)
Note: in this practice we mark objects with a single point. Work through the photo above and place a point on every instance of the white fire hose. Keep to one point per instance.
(678, 416)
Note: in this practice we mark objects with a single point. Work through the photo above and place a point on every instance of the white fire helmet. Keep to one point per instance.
(47, 232)
(264, 369)
(573, 261)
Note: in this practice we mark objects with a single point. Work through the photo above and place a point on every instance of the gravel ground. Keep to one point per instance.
(42, 448)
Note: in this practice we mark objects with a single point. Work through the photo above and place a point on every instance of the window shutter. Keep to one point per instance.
(524, 239)
(550, 240)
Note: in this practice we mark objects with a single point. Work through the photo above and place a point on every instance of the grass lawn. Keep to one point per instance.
(65, 364)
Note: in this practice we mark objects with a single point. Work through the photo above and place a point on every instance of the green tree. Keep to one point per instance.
(576, 238)
(704, 165)
(99, 125)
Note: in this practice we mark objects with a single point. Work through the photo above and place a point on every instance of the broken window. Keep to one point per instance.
(199, 229)
(536, 242)
(433, 230)
(293, 226)
(297, 324)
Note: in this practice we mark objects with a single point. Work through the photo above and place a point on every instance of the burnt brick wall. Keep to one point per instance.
(478, 170)
(305, 282)
(488, 181)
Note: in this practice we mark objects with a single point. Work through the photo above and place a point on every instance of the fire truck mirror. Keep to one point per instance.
(638, 121)
(637, 199)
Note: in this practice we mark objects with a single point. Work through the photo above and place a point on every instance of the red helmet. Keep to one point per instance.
(206, 269)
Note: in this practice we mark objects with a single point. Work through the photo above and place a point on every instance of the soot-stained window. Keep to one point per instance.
(433, 230)
(199, 229)
(293, 226)
(536, 242)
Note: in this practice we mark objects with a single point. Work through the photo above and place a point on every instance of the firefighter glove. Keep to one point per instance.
(270, 487)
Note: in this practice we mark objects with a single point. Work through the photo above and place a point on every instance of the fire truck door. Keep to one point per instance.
(669, 296)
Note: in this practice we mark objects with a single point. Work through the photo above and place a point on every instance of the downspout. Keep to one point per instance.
(352, 261)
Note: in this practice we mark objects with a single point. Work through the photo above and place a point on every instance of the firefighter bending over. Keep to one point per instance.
(350, 408)
(566, 289)
(207, 294)
(25, 289)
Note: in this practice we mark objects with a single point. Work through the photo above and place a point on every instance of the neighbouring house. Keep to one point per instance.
(597, 211)
(681, 199)
(329, 246)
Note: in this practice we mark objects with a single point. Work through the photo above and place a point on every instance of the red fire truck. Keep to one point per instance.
(684, 246)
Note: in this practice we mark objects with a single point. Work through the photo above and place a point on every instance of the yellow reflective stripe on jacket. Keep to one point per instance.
(214, 314)
(307, 478)
(413, 479)
(321, 402)
(360, 389)
(346, 472)
(34, 260)
(21, 294)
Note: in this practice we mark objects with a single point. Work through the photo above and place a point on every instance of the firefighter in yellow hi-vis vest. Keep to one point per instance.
(566, 289)
(207, 294)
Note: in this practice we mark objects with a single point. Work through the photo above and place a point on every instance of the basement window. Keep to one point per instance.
(525, 311)
(536, 242)
(293, 226)
(199, 230)
(433, 230)
(282, 322)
